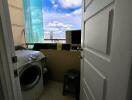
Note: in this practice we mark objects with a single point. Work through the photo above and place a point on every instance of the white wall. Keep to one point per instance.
(17, 20)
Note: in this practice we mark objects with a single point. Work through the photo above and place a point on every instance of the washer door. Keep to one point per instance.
(30, 76)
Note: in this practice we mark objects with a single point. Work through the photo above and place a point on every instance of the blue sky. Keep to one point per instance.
(61, 15)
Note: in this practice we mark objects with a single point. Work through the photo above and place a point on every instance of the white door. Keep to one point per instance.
(8, 67)
(107, 38)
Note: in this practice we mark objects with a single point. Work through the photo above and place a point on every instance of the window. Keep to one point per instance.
(47, 20)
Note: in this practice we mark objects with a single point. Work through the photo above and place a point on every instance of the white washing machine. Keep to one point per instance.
(31, 80)
(30, 65)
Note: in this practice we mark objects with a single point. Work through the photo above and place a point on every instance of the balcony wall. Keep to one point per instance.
(59, 61)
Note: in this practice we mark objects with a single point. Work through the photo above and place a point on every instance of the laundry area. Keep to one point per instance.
(48, 73)
(48, 68)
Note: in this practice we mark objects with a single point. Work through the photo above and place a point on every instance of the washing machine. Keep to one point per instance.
(31, 80)
(30, 66)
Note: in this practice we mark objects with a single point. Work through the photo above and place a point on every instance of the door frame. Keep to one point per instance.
(82, 46)
(9, 83)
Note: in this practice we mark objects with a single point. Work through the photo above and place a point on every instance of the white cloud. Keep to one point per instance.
(70, 3)
(56, 5)
(59, 22)
(57, 26)
(74, 13)
(53, 2)
(77, 12)
(72, 18)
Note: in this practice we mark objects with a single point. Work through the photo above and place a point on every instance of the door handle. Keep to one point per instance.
(14, 59)
(80, 49)
(81, 57)
(15, 73)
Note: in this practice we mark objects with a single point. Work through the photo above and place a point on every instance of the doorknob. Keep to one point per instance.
(81, 57)
(80, 49)
(15, 73)
(14, 59)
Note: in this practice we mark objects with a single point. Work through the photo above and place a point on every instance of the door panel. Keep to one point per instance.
(95, 6)
(96, 47)
(95, 80)
(97, 29)
(85, 96)
(105, 67)
(87, 91)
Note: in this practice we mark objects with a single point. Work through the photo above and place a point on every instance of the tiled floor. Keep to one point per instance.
(53, 91)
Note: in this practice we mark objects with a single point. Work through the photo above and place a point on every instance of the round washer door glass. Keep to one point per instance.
(30, 76)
